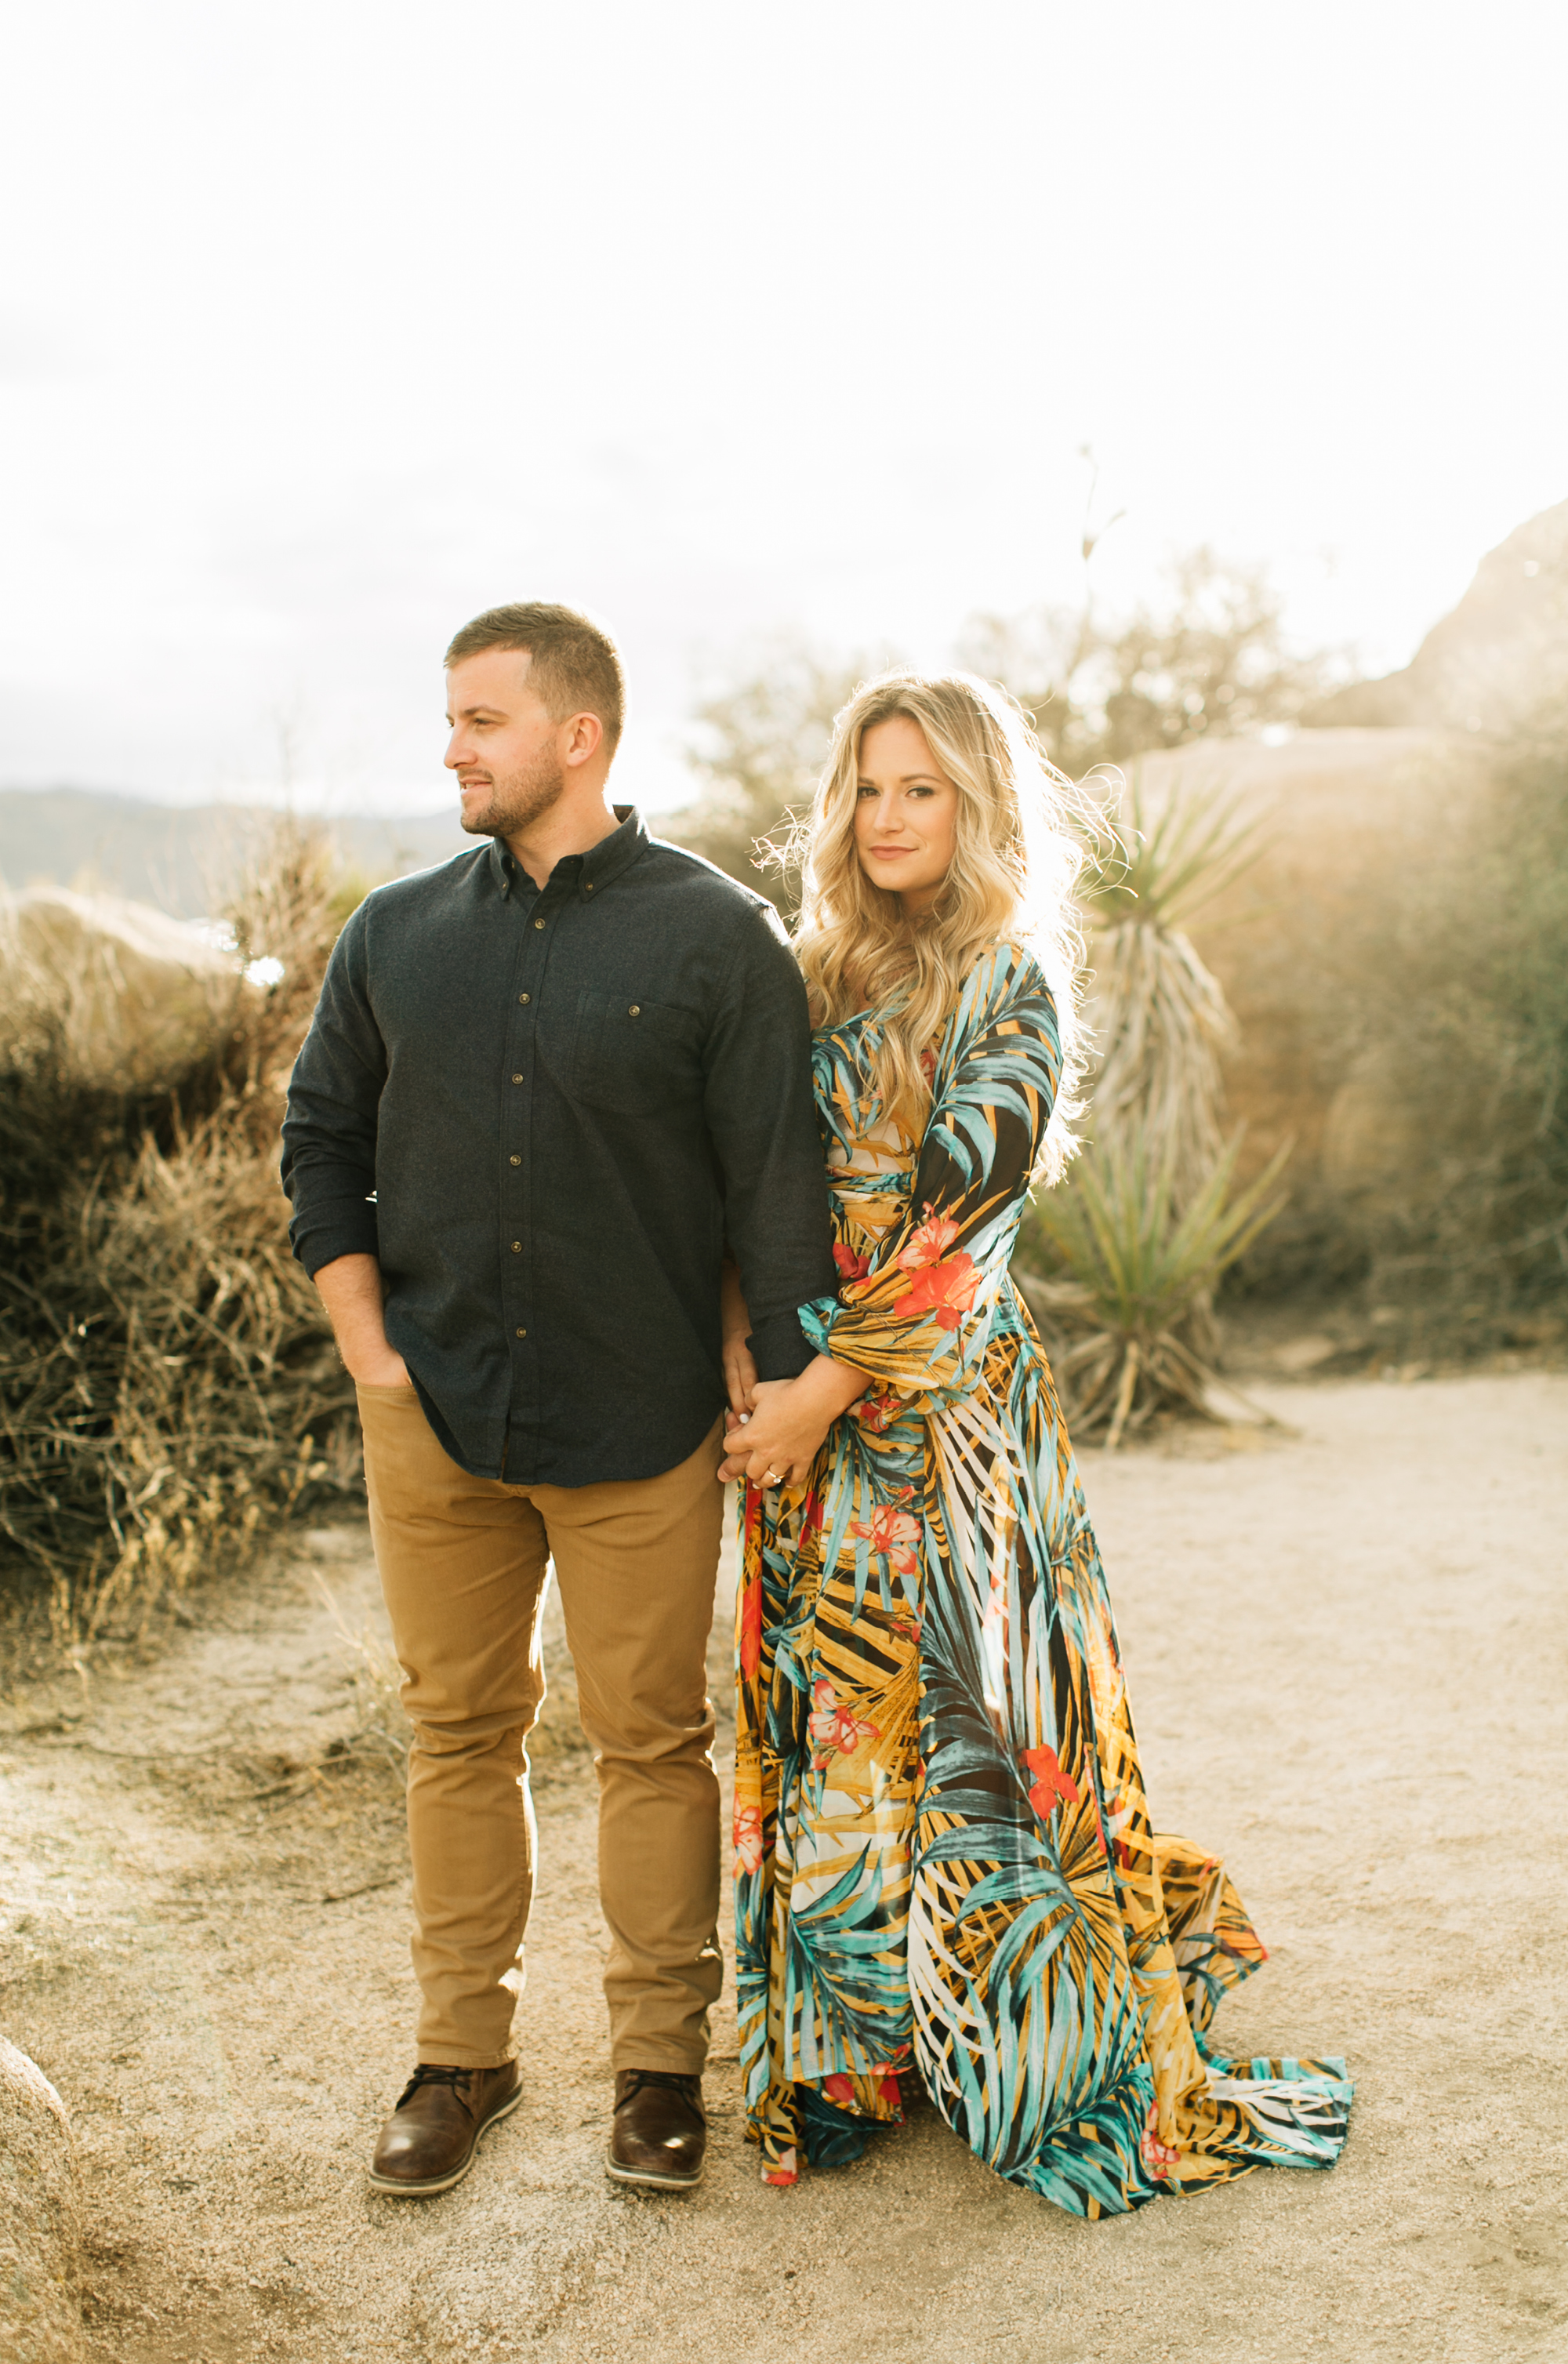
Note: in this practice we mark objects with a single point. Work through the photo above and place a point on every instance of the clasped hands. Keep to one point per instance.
(773, 1427)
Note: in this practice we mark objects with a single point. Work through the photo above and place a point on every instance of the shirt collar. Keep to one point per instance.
(593, 870)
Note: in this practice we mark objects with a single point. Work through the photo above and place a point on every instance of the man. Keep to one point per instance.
(545, 1084)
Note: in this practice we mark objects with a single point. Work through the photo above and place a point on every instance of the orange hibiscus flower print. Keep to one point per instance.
(947, 1289)
(1050, 1782)
(930, 1242)
(896, 1533)
(748, 1838)
(1159, 2157)
(834, 1730)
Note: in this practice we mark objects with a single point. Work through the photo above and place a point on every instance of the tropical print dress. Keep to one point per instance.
(944, 1863)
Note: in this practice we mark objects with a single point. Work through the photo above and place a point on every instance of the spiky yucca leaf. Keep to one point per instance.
(1158, 1016)
(1161, 870)
(1131, 1270)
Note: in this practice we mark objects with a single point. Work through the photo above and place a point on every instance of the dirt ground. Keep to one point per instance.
(1345, 1649)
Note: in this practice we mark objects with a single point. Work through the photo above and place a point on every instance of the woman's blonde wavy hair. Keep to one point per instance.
(1015, 867)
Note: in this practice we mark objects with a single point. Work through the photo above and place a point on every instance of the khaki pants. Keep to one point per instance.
(463, 1564)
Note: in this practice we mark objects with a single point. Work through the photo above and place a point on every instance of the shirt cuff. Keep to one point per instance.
(780, 1348)
(349, 1230)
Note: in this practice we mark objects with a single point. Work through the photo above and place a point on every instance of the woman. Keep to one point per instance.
(944, 1855)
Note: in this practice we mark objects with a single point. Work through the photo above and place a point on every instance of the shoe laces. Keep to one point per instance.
(426, 2074)
(688, 2088)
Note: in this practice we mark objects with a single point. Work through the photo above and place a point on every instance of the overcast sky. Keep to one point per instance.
(324, 326)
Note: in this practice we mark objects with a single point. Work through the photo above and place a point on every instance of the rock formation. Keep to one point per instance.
(1489, 662)
(136, 997)
(40, 2225)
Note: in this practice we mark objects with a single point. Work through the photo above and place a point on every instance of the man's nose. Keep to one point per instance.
(456, 752)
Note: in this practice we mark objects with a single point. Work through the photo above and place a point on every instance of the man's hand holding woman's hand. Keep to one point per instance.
(775, 1441)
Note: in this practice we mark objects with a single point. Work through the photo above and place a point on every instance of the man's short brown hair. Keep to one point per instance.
(574, 667)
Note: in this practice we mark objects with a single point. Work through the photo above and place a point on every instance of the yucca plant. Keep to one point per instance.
(1120, 1263)
(1132, 1274)
(1159, 1014)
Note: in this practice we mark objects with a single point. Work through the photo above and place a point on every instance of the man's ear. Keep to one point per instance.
(581, 736)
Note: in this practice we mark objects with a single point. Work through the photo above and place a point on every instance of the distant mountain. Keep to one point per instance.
(183, 858)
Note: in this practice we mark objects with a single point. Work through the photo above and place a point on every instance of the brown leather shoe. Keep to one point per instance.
(660, 2130)
(427, 2144)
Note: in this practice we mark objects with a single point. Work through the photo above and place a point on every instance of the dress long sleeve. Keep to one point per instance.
(917, 1316)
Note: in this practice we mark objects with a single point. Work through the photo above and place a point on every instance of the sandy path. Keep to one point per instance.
(1345, 1652)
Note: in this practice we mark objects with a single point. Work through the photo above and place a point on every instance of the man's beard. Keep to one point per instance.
(516, 803)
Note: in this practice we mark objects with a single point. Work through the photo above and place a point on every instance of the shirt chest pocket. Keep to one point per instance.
(634, 1056)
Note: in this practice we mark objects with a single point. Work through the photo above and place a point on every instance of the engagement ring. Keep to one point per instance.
(772, 1477)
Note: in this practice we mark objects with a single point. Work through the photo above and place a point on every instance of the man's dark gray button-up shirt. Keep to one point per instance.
(543, 1114)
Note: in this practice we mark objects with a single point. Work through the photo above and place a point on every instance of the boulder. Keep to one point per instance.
(134, 997)
(41, 2222)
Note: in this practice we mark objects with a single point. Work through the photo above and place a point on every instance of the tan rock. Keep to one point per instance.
(134, 997)
(40, 2225)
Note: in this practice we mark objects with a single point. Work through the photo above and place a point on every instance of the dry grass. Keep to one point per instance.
(168, 1388)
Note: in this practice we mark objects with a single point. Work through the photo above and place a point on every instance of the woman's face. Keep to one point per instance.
(905, 813)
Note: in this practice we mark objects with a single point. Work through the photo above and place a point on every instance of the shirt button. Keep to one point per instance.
(589, 887)
(525, 997)
(522, 1333)
(517, 1079)
(636, 1010)
(516, 1247)
(516, 1160)
(539, 924)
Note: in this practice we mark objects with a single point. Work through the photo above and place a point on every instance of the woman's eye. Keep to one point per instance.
(863, 791)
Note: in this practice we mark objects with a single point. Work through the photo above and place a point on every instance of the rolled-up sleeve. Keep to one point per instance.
(763, 1121)
(329, 1130)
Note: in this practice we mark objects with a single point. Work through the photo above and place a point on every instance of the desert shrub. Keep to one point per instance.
(1465, 1004)
(167, 1384)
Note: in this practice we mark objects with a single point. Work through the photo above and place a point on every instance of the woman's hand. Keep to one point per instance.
(789, 1418)
(740, 1370)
